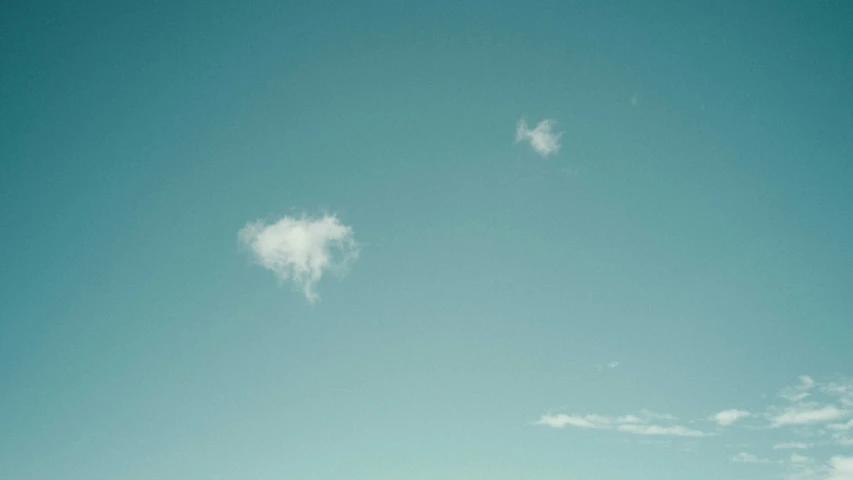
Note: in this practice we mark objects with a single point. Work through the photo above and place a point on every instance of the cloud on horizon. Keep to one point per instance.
(300, 250)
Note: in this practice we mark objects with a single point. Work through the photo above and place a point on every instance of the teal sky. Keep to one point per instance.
(488, 312)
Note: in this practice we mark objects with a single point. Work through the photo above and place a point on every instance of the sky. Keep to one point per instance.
(426, 240)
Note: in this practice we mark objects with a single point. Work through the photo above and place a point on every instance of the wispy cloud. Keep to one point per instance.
(796, 393)
(583, 421)
(818, 412)
(744, 457)
(640, 424)
(806, 414)
(657, 415)
(797, 458)
(791, 445)
(841, 426)
(608, 365)
(300, 250)
(728, 417)
(674, 430)
(812, 413)
(544, 140)
(842, 440)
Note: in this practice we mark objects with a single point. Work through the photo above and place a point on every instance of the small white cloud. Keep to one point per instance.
(798, 392)
(797, 458)
(674, 430)
(842, 468)
(797, 397)
(542, 138)
(634, 99)
(744, 457)
(584, 421)
(806, 414)
(300, 250)
(791, 446)
(612, 364)
(728, 417)
(806, 381)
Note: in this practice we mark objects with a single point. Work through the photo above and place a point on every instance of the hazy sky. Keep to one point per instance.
(426, 240)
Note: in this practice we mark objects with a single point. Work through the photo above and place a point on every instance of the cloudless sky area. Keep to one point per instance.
(585, 314)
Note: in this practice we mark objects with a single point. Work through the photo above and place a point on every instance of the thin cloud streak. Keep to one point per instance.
(636, 424)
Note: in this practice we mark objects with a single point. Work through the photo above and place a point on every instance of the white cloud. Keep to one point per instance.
(542, 138)
(842, 390)
(841, 426)
(744, 457)
(824, 419)
(584, 421)
(806, 414)
(674, 430)
(842, 468)
(843, 441)
(798, 392)
(728, 417)
(800, 467)
(639, 425)
(657, 416)
(300, 250)
(612, 364)
(791, 445)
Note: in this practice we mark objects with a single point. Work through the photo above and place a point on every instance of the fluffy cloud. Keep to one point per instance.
(728, 417)
(842, 468)
(300, 250)
(543, 139)
(636, 424)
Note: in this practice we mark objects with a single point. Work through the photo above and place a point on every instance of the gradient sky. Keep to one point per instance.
(503, 315)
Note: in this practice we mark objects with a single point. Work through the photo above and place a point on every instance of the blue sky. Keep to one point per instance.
(404, 241)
